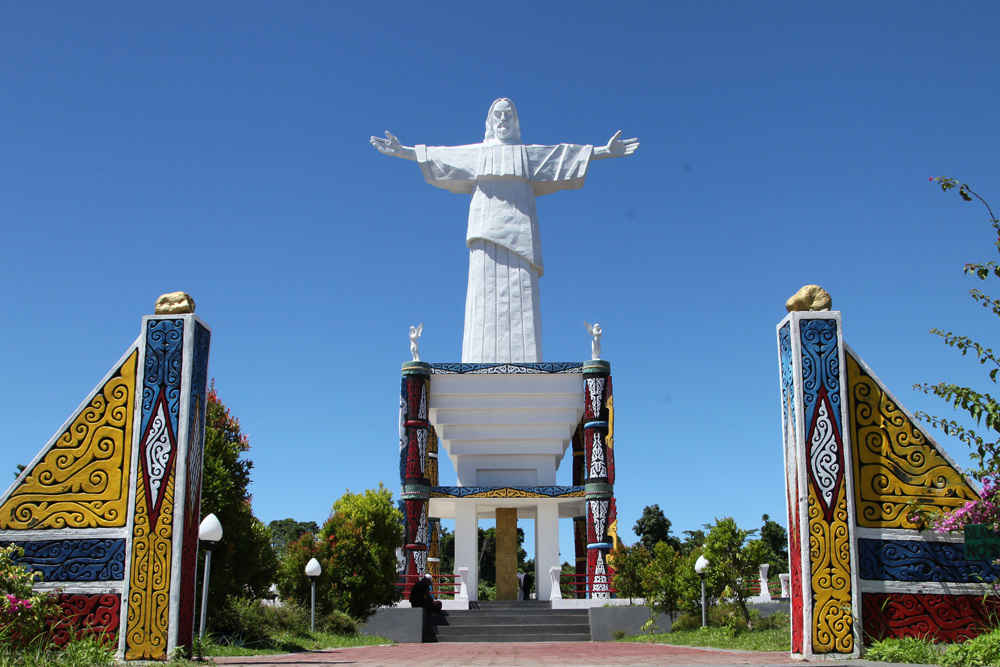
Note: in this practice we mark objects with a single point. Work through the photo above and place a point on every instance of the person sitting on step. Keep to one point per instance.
(422, 595)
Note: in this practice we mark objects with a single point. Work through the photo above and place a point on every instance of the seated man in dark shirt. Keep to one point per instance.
(422, 595)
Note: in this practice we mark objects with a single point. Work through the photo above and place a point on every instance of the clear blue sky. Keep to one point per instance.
(222, 149)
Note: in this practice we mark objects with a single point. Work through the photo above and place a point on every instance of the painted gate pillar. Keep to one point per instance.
(414, 439)
(108, 511)
(599, 473)
(824, 583)
(164, 510)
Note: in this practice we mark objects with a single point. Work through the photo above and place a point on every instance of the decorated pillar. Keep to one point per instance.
(824, 589)
(598, 473)
(414, 441)
(579, 522)
(164, 508)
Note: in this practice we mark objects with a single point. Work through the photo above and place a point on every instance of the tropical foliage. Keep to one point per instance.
(356, 548)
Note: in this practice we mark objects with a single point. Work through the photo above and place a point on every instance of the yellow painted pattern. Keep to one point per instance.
(509, 492)
(82, 482)
(894, 462)
(613, 527)
(149, 581)
(431, 462)
(830, 559)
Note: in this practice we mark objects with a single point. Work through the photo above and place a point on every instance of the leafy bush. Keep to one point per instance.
(983, 650)
(904, 649)
(337, 623)
(252, 622)
(22, 610)
(629, 563)
(247, 620)
(357, 550)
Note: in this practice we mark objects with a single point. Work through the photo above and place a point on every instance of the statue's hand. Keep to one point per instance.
(390, 145)
(620, 147)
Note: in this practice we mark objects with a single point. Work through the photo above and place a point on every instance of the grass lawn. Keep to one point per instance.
(773, 639)
(289, 642)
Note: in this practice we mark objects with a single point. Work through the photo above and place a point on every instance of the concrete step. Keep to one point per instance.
(509, 622)
(580, 637)
(510, 619)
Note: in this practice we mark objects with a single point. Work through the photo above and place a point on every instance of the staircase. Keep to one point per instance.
(528, 621)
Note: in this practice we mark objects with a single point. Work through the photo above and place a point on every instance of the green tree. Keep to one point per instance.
(285, 531)
(488, 555)
(243, 563)
(356, 548)
(734, 562)
(293, 583)
(982, 407)
(775, 539)
(629, 562)
(653, 527)
(446, 550)
(693, 539)
(661, 582)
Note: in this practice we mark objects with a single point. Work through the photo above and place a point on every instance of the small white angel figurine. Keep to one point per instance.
(595, 345)
(414, 335)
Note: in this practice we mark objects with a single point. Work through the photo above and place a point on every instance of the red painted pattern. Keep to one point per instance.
(83, 615)
(795, 563)
(943, 618)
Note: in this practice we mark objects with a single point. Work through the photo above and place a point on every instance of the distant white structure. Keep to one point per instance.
(502, 309)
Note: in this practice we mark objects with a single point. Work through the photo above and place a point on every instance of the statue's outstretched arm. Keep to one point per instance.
(392, 146)
(616, 147)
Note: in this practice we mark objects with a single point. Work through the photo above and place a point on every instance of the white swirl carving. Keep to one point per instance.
(824, 455)
(595, 389)
(600, 587)
(402, 423)
(599, 515)
(422, 447)
(157, 450)
(598, 466)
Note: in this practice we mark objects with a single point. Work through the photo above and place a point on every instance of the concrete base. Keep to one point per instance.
(402, 625)
(604, 621)
(446, 604)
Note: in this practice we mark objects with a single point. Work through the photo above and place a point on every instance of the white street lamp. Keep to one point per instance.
(313, 570)
(209, 533)
(699, 568)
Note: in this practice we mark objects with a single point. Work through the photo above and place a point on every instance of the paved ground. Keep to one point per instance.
(554, 654)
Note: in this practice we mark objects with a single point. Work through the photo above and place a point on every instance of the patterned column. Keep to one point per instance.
(825, 609)
(434, 548)
(506, 553)
(599, 473)
(414, 438)
(164, 507)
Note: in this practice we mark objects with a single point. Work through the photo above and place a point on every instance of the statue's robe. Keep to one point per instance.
(502, 311)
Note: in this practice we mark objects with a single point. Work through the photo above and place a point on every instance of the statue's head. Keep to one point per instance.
(502, 126)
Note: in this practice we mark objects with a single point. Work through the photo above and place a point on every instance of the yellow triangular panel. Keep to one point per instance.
(894, 460)
(81, 479)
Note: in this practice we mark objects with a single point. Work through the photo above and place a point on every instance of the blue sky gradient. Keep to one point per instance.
(222, 149)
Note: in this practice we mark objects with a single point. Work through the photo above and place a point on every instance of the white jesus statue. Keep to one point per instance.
(502, 311)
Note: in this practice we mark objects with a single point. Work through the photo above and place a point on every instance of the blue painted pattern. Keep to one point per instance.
(162, 368)
(509, 369)
(787, 379)
(820, 367)
(76, 560)
(915, 560)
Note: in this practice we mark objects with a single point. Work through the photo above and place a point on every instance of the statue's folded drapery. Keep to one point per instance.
(502, 312)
